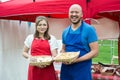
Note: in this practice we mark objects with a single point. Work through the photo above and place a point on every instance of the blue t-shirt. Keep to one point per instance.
(88, 34)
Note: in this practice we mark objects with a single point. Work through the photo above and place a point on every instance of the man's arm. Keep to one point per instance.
(93, 53)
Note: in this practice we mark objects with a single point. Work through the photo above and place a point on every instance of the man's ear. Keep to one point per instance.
(82, 15)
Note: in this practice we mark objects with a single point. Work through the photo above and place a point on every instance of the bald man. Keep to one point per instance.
(78, 36)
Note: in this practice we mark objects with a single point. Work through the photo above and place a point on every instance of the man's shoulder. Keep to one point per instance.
(67, 28)
(87, 26)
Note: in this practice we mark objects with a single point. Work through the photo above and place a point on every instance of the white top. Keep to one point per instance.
(52, 42)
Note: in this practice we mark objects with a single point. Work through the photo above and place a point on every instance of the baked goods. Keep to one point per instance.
(41, 60)
(66, 57)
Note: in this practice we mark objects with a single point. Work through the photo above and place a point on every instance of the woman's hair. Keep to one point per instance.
(38, 19)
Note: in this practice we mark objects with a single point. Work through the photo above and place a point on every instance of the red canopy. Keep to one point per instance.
(106, 8)
(27, 10)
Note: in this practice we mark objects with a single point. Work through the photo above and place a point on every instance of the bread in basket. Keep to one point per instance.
(66, 57)
(41, 60)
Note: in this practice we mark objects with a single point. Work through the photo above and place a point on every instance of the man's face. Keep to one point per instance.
(75, 14)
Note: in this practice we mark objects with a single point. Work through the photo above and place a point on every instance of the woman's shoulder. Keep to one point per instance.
(30, 36)
(52, 37)
(28, 40)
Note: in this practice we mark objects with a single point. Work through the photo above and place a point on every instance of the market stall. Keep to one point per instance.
(13, 13)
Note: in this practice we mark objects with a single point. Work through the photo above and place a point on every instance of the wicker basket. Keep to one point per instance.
(117, 71)
(66, 57)
(41, 60)
(96, 68)
(108, 71)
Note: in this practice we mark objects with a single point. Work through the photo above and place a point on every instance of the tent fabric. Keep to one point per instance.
(105, 8)
(27, 10)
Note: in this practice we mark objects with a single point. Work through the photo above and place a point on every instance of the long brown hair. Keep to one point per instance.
(46, 34)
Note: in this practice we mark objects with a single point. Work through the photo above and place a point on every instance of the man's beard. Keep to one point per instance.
(77, 21)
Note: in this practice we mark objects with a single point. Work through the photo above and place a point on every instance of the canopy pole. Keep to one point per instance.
(33, 0)
(119, 46)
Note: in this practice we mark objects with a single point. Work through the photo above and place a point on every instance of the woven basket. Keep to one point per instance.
(41, 60)
(117, 71)
(108, 71)
(66, 57)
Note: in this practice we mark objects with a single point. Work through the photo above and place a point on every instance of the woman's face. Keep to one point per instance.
(42, 26)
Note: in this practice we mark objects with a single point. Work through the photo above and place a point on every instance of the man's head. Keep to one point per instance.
(75, 13)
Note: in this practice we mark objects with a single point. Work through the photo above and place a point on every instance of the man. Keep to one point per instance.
(79, 36)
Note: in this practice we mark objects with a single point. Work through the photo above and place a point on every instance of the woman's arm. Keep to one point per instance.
(53, 46)
(25, 52)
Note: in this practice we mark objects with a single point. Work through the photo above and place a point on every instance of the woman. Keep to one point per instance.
(41, 43)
